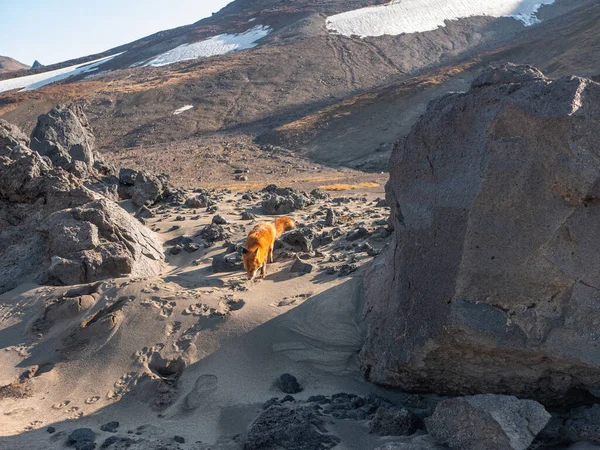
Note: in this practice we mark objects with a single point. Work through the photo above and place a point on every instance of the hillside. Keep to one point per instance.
(10, 65)
(297, 70)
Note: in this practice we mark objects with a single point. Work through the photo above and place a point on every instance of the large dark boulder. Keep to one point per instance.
(65, 136)
(491, 283)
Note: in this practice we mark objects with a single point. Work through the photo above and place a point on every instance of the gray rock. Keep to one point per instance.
(289, 384)
(279, 201)
(64, 135)
(82, 439)
(359, 233)
(417, 443)
(301, 239)
(214, 233)
(127, 176)
(583, 424)
(56, 230)
(493, 267)
(10, 137)
(199, 201)
(330, 218)
(248, 216)
(300, 266)
(392, 421)
(98, 241)
(148, 188)
(319, 194)
(110, 427)
(290, 427)
(227, 263)
(144, 213)
(487, 422)
(219, 220)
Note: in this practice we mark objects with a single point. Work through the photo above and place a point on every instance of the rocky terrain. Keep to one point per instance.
(456, 308)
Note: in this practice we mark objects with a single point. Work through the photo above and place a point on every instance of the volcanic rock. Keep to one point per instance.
(493, 268)
(494, 422)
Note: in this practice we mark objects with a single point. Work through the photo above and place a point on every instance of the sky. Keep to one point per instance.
(53, 31)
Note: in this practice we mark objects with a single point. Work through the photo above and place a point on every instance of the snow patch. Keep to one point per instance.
(216, 45)
(31, 82)
(414, 16)
(182, 109)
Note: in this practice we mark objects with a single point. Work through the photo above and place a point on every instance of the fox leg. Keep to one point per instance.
(270, 258)
(263, 270)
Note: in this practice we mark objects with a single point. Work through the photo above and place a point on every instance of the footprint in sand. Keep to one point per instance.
(61, 404)
(203, 387)
(123, 385)
(92, 400)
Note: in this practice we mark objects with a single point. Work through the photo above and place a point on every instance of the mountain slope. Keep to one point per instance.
(301, 86)
(10, 65)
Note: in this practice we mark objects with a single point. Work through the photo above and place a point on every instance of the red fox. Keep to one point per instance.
(259, 245)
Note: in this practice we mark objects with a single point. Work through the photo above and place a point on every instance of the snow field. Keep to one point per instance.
(413, 16)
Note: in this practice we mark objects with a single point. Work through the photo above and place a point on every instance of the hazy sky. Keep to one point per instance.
(52, 31)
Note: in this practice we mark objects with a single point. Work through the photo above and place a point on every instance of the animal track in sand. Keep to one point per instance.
(288, 301)
(164, 305)
(61, 404)
(21, 350)
(33, 425)
(92, 400)
(122, 386)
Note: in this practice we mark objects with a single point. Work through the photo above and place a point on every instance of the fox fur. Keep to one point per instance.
(259, 245)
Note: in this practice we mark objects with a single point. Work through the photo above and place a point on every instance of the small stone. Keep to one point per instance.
(330, 218)
(359, 233)
(248, 216)
(51, 430)
(82, 438)
(176, 250)
(191, 247)
(219, 220)
(393, 421)
(110, 427)
(227, 263)
(319, 194)
(289, 384)
(300, 266)
(179, 439)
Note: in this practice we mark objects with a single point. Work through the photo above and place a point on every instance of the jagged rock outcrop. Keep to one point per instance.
(10, 137)
(56, 230)
(492, 281)
(64, 135)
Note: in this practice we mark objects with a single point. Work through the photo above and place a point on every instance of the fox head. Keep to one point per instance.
(252, 262)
